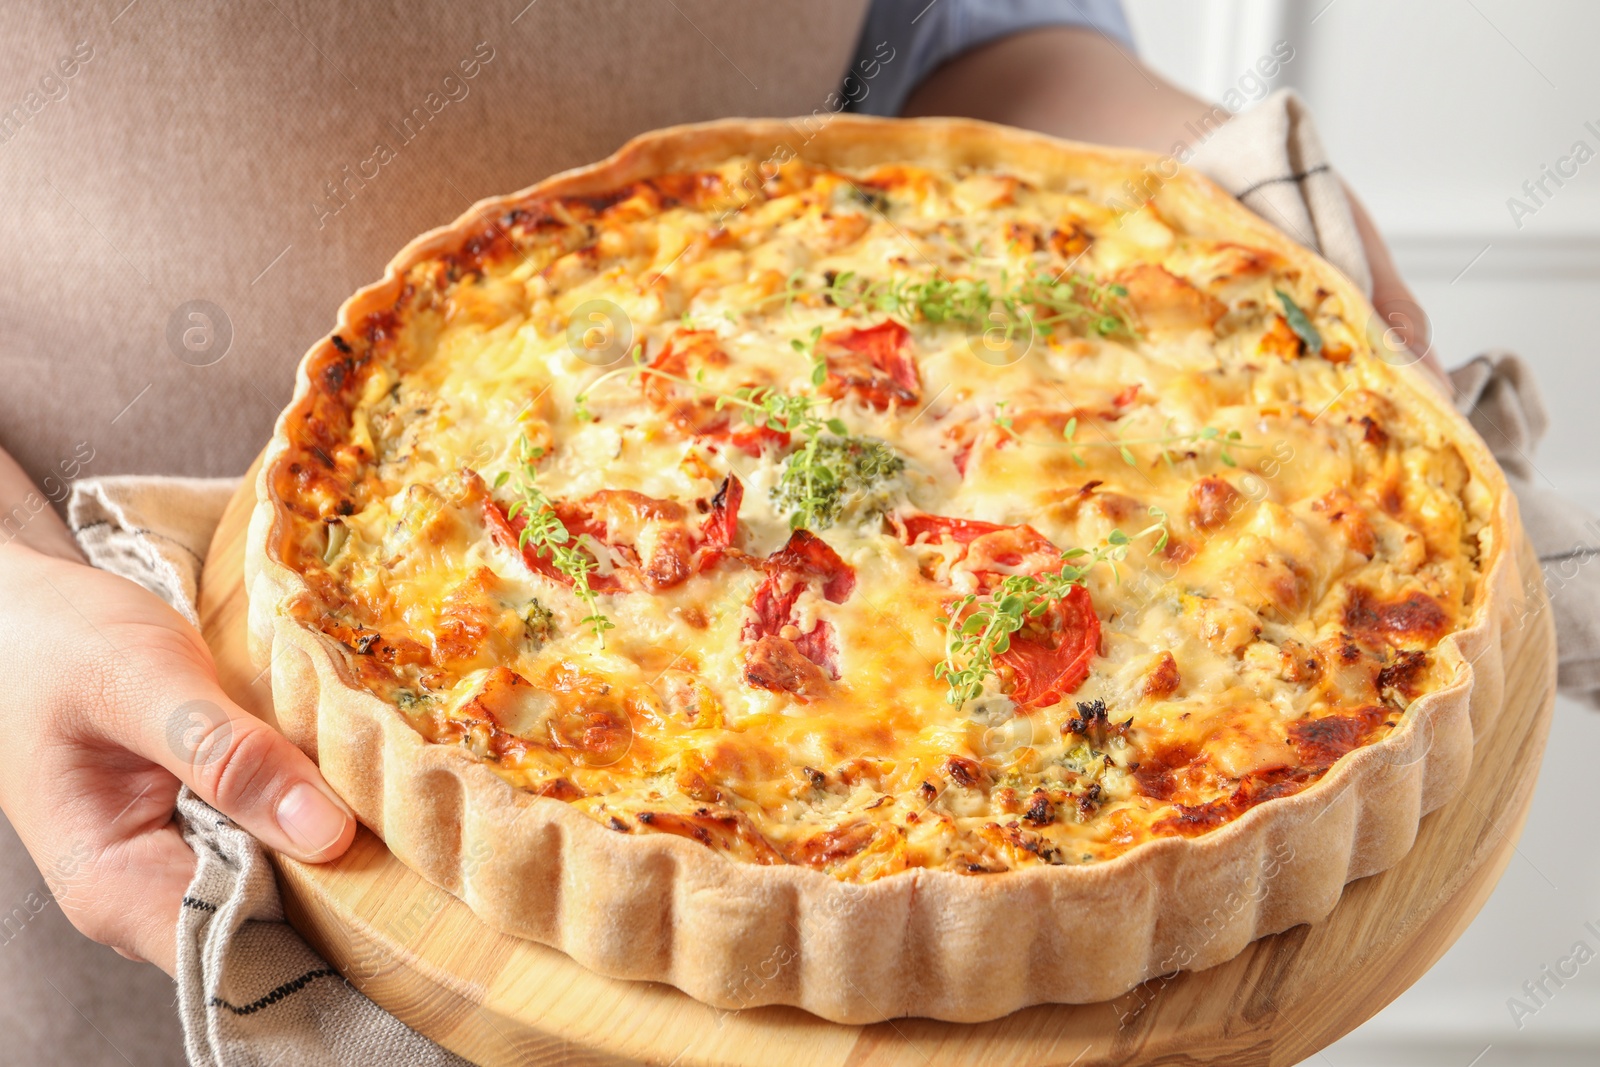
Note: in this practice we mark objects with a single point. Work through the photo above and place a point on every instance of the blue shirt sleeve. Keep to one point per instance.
(903, 41)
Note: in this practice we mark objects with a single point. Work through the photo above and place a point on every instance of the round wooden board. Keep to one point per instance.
(500, 1000)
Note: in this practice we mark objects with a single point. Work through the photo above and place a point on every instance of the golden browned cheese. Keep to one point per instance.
(1297, 542)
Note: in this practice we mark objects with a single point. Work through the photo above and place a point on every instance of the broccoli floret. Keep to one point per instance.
(833, 474)
(538, 625)
(409, 700)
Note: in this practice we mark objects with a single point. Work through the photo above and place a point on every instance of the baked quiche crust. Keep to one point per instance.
(1087, 882)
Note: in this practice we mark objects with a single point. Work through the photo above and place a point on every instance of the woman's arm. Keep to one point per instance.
(1070, 82)
(27, 518)
(1078, 84)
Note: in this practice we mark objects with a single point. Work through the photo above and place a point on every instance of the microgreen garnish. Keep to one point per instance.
(1300, 323)
(1038, 304)
(543, 529)
(1226, 441)
(979, 627)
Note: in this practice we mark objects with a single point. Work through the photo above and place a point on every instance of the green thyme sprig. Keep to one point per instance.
(808, 349)
(809, 483)
(1038, 304)
(1225, 440)
(979, 627)
(817, 479)
(543, 528)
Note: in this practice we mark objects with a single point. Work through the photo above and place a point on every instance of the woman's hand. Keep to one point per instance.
(111, 703)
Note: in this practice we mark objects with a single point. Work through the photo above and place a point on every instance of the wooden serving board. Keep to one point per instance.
(500, 1000)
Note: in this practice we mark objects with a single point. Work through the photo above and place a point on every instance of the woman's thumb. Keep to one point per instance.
(254, 775)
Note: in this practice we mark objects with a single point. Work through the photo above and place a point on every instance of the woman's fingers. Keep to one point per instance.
(130, 893)
(245, 769)
(113, 702)
(151, 689)
(1405, 324)
(162, 702)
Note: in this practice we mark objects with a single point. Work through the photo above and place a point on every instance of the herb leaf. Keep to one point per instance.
(1038, 304)
(1300, 323)
(979, 627)
(543, 529)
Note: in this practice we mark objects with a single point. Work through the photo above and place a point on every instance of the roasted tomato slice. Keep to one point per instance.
(722, 525)
(507, 533)
(991, 550)
(1048, 662)
(623, 521)
(696, 413)
(750, 439)
(873, 365)
(1050, 657)
(687, 352)
(941, 527)
(773, 660)
(808, 556)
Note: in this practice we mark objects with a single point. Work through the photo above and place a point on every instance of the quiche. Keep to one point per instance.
(945, 558)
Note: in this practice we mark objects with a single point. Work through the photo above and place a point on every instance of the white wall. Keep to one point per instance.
(1437, 111)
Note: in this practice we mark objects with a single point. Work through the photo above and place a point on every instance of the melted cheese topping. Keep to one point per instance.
(1291, 616)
